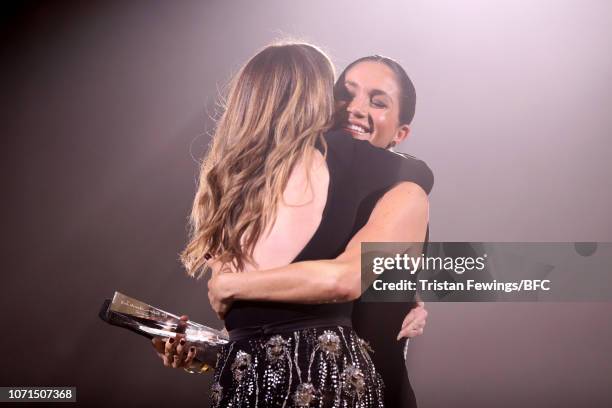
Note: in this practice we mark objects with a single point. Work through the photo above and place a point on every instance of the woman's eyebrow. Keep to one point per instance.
(351, 84)
(379, 92)
(373, 92)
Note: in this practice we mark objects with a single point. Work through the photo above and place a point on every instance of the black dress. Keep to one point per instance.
(295, 355)
(379, 323)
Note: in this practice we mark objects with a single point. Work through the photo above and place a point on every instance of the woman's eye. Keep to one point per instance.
(379, 104)
(344, 95)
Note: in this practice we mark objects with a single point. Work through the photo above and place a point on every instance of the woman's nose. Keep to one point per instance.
(356, 108)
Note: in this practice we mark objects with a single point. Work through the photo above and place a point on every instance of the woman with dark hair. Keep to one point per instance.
(275, 195)
(361, 93)
(382, 83)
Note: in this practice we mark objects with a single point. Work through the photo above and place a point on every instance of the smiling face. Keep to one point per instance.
(368, 106)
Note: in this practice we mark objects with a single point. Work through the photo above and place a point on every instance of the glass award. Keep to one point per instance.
(149, 321)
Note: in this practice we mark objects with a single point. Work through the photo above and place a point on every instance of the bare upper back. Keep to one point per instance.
(298, 215)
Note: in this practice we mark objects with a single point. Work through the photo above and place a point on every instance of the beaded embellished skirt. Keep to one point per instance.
(314, 367)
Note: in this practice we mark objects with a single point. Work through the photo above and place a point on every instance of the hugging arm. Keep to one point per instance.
(401, 215)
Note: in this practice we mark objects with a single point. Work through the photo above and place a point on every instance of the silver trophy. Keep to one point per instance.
(149, 321)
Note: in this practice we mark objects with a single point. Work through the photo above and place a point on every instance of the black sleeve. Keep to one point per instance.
(377, 169)
(364, 173)
(417, 171)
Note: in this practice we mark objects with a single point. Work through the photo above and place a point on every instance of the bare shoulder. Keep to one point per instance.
(405, 204)
(308, 181)
(401, 215)
(318, 161)
(405, 195)
(315, 166)
(407, 189)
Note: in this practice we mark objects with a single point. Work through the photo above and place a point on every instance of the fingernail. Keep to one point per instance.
(171, 340)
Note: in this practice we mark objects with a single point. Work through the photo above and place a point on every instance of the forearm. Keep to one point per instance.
(322, 281)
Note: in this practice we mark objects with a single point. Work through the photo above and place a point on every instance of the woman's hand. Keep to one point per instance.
(414, 322)
(220, 290)
(175, 352)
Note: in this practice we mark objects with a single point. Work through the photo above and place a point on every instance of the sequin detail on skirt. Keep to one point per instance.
(315, 367)
(329, 342)
(275, 349)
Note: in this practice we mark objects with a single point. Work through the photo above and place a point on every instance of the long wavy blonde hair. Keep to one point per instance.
(279, 105)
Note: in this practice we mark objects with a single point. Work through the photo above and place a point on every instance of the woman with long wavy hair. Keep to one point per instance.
(278, 190)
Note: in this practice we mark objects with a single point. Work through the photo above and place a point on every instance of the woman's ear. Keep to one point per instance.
(402, 134)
